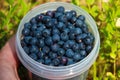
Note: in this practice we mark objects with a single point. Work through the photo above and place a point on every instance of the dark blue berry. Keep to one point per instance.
(49, 13)
(89, 48)
(78, 38)
(41, 43)
(68, 15)
(41, 54)
(72, 36)
(55, 47)
(70, 61)
(45, 49)
(47, 61)
(46, 19)
(34, 41)
(73, 13)
(39, 17)
(34, 27)
(60, 25)
(79, 23)
(27, 25)
(55, 31)
(66, 46)
(64, 36)
(77, 31)
(71, 42)
(54, 21)
(56, 38)
(87, 41)
(33, 56)
(33, 21)
(84, 28)
(40, 61)
(46, 32)
(69, 53)
(48, 41)
(81, 17)
(60, 9)
(62, 18)
(37, 34)
(81, 45)
(73, 19)
(49, 24)
(83, 53)
(70, 26)
(75, 47)
(26, 49)
(61, 51)
(34, 49)
(66, 30)
(25, 31)
(23, 43)
(61, 43)
(56, 62)
(27, 39)
(57, 14)
(77, 57)
(41, 27)
(52, 55)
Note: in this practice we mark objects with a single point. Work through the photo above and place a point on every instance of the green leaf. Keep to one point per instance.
(94, 11)
(10, 2)
(76, 2)
(118, 73)
(90, 1)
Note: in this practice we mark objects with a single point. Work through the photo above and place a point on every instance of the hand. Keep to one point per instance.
(9, 61)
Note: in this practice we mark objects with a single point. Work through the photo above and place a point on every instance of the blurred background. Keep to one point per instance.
(106, 14)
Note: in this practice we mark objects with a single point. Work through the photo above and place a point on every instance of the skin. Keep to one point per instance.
(9, 61)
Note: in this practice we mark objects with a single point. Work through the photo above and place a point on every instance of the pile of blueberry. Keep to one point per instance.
(57, 38)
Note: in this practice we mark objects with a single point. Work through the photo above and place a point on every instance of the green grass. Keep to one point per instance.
(106, 14)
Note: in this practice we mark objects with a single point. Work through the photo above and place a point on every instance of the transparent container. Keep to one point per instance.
(77, 71)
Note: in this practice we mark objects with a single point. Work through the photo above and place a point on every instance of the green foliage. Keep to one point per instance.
(105, 14)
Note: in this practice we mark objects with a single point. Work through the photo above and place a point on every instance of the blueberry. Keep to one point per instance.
(79, 23)
(81, 17)
(73, 13)
(68, 15)
(60, 9)
(78, 38)
(83, 53)
(45, 49)
(71, 42)
(60, 25)
(62, 18)
(41, 54)
(83, 35)
(25, 31)
(57, 14)
(56, 38)
(26, 49)
(48, 41)
(41, 27)
(54, 21)
(90, 36)
(34, 27)
(54, 47)
(84, 28)
(70, 61)
(37, 34)
(64, 36)
(39, 17)
(61, 43)
(77, 31)
(70, 26)
(46, 19)
(27, 39)
(46, 32)
(56, 62)
(34, 49)
(49, 24)
(27, 25)
(73, 19)
(34, 41)
(33, 56)
(77, 57)
(55, 31)
(69, 53)
(33, 21)
(47, 61)
(66, 46)
(64, 60)
(81, 45)
(61, 51)
(72, 36)
(49, 13)
(89, 48)
(40, 61)
(66, 30)
(41, 43)
(87, 41)
(75, 47)
(52, 55)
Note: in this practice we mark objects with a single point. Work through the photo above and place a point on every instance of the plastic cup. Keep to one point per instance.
(77, 71)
